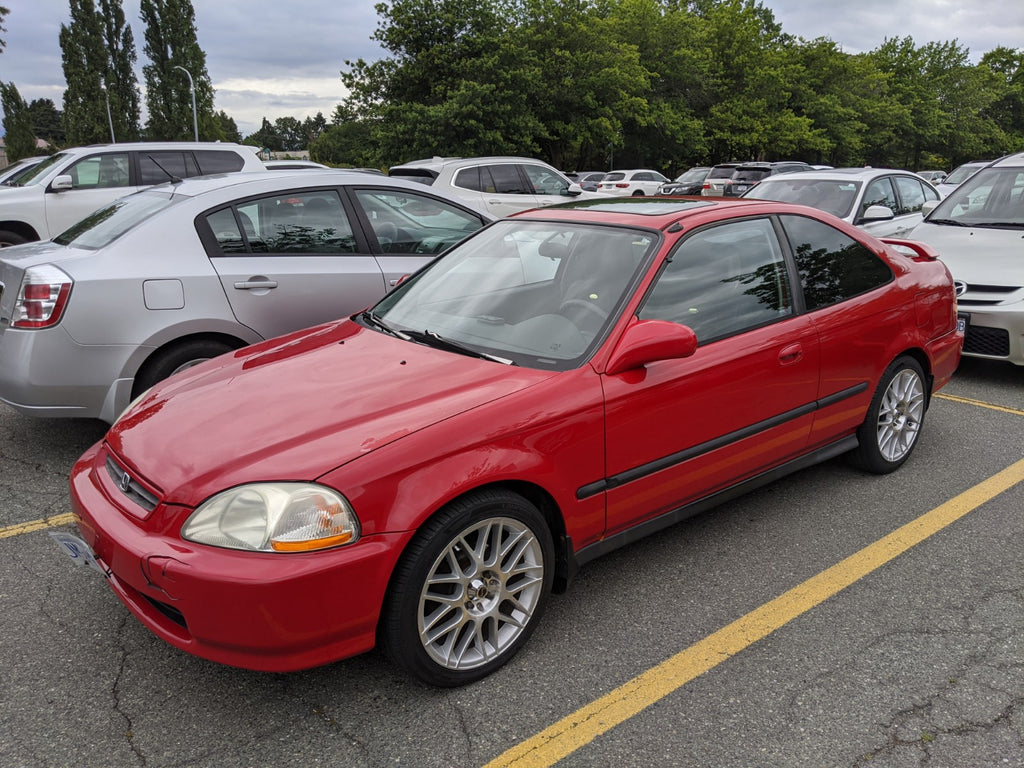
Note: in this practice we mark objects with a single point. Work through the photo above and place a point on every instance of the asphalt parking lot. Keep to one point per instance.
(830, 619)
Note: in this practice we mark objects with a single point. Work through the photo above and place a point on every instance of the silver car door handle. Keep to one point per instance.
(245, 285)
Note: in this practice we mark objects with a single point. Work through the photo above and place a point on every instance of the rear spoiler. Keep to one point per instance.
(921, 251)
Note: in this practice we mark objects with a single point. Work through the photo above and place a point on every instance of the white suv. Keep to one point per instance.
(66, 187)
(499, 185)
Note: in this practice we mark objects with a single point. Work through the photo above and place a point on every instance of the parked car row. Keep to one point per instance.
(456, 435)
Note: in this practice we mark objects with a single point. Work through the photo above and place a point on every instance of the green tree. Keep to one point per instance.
(312, 127)
(3, 15)
(119, 78)
(266, 137)
(228, 127)
(289, 129)
(344, 144)
(172, 46)
(46, 121)
(84, 60)
(18, 139)
(1007, 110)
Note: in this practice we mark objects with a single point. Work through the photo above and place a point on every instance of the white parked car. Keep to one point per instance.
(882, 201)
(959, 175)
(641, 181)
(978, 230)
(68, 186)
(499, 185)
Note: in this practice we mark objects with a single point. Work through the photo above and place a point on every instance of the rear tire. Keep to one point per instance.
(894, 419)
(177, 358)
(470, 589)
(8, 238)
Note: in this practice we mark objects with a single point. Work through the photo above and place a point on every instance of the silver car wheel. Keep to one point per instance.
(900, 415)
(481, 593)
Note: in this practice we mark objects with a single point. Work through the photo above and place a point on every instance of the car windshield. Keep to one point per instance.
(108, 223)
(835, 196)
(35, 175)
(993, 197)
(537, 294)
(694, 174)
(962, 173)
(721, 172)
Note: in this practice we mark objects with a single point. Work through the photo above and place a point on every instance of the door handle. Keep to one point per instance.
(794, 353)
(248, 285)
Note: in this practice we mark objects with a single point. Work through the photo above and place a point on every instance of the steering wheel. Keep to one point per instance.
(588, 306)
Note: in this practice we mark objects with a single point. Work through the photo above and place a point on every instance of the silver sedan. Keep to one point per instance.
(160, 280)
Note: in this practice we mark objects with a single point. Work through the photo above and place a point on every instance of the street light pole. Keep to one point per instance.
(110, 120)
(192, 89)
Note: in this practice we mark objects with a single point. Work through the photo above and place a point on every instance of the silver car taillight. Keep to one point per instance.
(42, 298)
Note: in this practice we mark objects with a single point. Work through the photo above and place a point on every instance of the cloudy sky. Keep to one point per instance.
(272, 59)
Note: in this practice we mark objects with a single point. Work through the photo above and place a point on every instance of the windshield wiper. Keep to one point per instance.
(951, 222)
(371, 319)
(432, 339)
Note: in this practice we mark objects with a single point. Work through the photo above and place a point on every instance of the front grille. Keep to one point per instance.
(129, 486)
(980, 340)
(986, 295)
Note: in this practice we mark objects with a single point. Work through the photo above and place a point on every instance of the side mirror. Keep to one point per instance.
(574, 190)
(648, 341)
(62, 183)
(928, 206)
(877, 213)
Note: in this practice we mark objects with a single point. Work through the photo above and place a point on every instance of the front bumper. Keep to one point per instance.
(260, 611)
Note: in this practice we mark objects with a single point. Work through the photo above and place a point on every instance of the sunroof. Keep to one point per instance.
(643, 206)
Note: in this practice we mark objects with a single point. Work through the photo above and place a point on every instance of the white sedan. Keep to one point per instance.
(881, 201)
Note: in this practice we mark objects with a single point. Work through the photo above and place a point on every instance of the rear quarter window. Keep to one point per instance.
(833, 267)
(218, 161)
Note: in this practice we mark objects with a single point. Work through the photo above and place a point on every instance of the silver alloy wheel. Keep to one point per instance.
(481, 593)
(900, 414)
(185, 366)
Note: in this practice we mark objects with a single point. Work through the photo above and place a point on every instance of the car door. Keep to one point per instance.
(912, 194)
(498, 188)
(679, 430)
(291, 259)
(96, 180)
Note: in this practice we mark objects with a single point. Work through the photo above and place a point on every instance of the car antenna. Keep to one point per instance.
(174, 179)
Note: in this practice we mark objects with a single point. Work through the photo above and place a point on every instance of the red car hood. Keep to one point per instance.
(298, 406)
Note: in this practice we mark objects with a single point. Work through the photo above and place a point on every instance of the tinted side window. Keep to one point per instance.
(100, 172)
(507, 180)
(158, 167)
(545, 181)
(218, 161)
(911, 194)
(290, 222)
(469, 178)
(723, 280)
(879, 192)
(833, 267)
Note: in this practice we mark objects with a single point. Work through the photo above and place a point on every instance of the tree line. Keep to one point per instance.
(580, 83)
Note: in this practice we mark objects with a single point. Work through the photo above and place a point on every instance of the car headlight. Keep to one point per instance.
(274, 517)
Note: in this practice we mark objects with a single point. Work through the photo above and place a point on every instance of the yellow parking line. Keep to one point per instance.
(586, 724)
(36, 525)
(980, 404)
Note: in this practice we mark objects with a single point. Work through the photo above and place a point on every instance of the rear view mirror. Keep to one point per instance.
(648, 341)
(877, 213)
(61, 183)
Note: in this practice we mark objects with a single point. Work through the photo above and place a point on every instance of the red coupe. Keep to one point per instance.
(425, 473)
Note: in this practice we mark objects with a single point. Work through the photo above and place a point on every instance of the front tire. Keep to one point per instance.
(470, 589)
(894, 420)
